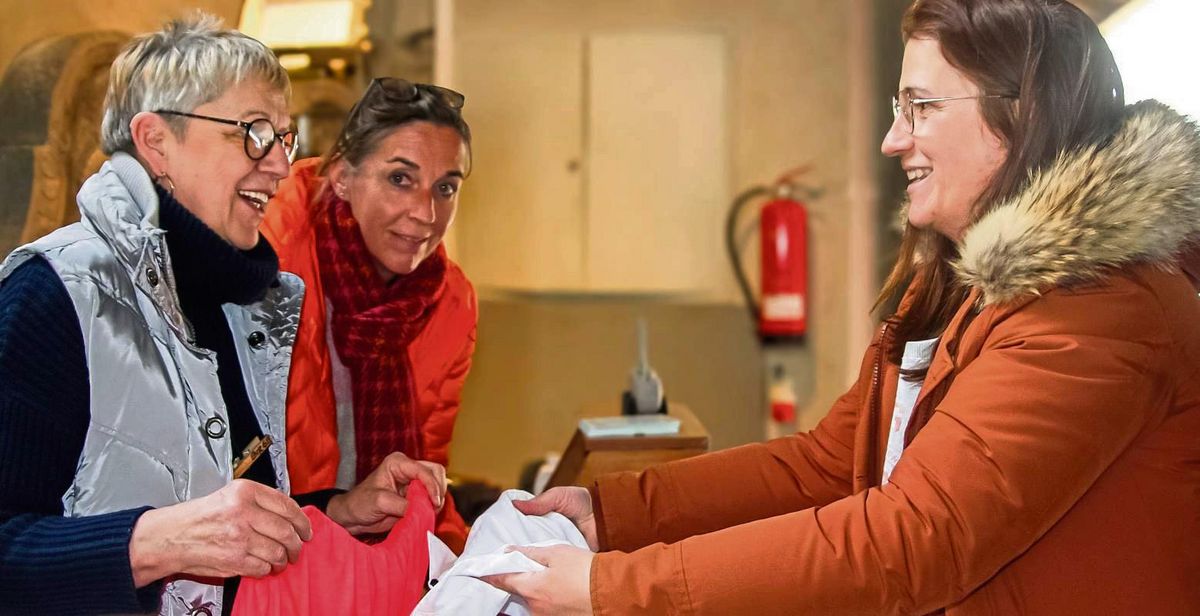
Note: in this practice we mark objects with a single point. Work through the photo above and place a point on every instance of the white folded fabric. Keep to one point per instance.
(454, 585)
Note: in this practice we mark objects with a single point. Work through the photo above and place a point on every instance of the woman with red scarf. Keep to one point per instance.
(387, 327)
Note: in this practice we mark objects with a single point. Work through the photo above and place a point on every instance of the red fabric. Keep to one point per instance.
(338, 574)
(373, 324)
(440, 356)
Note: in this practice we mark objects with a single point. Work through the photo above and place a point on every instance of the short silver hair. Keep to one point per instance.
(186, 64)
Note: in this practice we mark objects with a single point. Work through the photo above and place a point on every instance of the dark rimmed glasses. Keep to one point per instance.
(260, 134)
(902, 105)
(406, 91)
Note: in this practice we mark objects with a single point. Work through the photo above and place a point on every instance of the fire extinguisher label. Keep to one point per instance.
(783, 307)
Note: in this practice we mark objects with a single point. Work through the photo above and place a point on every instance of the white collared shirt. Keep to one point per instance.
(917, 356)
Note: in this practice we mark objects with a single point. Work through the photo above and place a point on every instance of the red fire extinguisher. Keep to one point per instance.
(782, 312)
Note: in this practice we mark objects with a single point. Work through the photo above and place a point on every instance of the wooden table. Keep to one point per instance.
(586, 458)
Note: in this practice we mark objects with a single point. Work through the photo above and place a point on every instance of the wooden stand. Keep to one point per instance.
(586, 458)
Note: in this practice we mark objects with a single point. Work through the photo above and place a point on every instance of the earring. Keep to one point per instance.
(170, 186)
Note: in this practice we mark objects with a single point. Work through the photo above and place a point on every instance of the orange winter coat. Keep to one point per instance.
(1056, 469)
(441, 354)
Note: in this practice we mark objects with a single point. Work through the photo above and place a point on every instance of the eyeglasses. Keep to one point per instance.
(260, 135)
(903, 105)
(406, 91)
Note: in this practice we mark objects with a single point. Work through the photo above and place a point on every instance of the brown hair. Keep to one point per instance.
(1067, 93)
(388, 104)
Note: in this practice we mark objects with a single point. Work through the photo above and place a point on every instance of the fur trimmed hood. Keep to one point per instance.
(1135, 199)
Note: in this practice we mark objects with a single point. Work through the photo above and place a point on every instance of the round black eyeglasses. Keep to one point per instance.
(260, 134)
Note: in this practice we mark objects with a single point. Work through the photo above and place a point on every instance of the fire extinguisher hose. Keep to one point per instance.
(731, 246)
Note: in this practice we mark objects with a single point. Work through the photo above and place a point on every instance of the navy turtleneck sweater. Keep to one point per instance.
(55, 565)
(210, 272)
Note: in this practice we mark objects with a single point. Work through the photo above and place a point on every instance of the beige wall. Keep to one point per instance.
(541, 360)
(27, 22)
(543, 357)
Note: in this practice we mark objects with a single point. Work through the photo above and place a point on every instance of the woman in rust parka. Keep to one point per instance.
(1024, 437)
(387, 327)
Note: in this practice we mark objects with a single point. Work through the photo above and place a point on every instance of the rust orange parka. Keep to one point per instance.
(440, 354)
(1057, 470)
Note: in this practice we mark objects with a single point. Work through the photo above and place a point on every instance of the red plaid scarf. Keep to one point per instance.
(373, 324)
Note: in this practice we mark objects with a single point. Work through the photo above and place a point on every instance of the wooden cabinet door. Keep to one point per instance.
(520, 223)
(658, 170)
(601, 161)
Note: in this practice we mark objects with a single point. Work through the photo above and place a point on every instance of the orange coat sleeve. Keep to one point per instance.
(1057, 392)
(439, 424)
(438, 430)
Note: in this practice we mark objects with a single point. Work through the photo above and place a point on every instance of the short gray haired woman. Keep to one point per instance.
(169, 328)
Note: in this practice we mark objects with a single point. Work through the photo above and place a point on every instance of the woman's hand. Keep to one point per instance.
(574, 503)
(375, 505)
(562, 588)
(245, 528)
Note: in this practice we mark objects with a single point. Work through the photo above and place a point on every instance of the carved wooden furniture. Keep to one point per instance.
(52, 95)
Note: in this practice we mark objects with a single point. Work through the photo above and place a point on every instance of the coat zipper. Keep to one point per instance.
(875, 410)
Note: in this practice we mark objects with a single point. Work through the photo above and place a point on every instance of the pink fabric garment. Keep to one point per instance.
(338, 574)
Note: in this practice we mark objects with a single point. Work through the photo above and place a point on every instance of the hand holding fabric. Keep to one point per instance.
(338, 574)
(562, 588)
(245, 528)
(375, 505)
(574, 503)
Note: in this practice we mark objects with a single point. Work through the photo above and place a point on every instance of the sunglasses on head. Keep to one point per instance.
(406, 91)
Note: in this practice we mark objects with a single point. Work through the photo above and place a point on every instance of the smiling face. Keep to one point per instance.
(404, 193)
(951, 155)
(213, 177)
